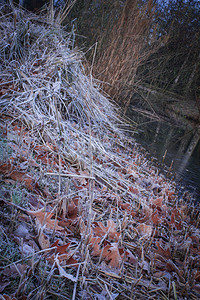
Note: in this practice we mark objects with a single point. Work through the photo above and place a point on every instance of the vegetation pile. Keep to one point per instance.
(84, 214)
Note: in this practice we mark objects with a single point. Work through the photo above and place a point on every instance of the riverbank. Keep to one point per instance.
(84, 213)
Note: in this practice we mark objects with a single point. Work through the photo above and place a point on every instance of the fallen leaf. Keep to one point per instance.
(166, 253)
(22, 230)
(156, 219)
(101, 230)
(125, 206)
(63, 273)
(158, 274)
(43, 240)
(133, 190)
(170, 194)
(171, 266)
(144, 230)
(60, 249)
(45, 219)
(27, 249)
(62, 253)
(157, 202)
(128, 256)
(72, 210)
(5, 168)
(111, 255)
(94, 246)
(19, 176)
(15, 270)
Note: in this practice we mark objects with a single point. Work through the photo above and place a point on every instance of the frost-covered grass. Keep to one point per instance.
(99, 220)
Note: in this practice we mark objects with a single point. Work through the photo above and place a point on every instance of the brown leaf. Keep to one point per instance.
(63, 273)
(62, 253)
(128, 256)
(18, 176)
(156, 219)
(5, 168)
(78, 187)
(144, 230)
(14, 270)
(157, 202)
(43, 240)
(125, 206)
(101, 230)
(45, 218)
(172, 267)
(170, 194)
(94, 246)
(133, 190)
(72, 210)
(111, 255)
(113, 234)
(60, 249)
(166, 253)
(158, 274)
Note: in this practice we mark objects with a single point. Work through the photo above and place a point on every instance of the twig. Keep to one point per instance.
(75, 284)
(69, 175)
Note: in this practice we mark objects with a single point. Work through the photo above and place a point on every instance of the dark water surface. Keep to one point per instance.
(172, 145)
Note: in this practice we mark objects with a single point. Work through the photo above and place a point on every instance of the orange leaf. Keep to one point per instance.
(60, 249)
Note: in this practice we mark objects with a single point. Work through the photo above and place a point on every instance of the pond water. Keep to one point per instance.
(174, 146)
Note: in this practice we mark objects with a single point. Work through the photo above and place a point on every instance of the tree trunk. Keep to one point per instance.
(190, 149)
(194, 71)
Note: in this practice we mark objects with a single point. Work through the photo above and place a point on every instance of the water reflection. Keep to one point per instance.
(194, 140)
(175, 146)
